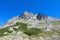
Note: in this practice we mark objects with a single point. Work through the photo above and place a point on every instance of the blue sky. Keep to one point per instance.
(10, 8)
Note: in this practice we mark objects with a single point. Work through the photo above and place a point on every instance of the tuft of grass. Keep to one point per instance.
(33, 31)
(55, 22)
(46, 33)
(57, 32)
(10, 31)
(2, 31)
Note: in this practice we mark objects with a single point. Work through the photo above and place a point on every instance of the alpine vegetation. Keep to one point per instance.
(29, 26)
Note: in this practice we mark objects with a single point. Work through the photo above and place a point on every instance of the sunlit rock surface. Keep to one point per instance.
(18, 27)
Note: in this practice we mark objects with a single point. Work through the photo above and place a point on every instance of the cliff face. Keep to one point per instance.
(29, 26)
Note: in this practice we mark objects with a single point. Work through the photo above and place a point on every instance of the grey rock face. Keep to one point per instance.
(40, 21)
(25, 15)
(41, 16)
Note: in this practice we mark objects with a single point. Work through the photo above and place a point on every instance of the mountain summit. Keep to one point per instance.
(29, 26)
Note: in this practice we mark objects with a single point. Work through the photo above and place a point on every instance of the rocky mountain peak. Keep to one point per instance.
(41, 16)
(29, 26)
(28, 15)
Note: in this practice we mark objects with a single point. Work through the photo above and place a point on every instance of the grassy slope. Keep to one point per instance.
(29, 32)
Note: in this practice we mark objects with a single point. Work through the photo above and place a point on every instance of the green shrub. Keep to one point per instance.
(2, 31)
(17, 23)
(33, 31)
(1, 35)
(10, 31)
(22, 27)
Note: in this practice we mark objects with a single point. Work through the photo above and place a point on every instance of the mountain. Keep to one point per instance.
(29, 26)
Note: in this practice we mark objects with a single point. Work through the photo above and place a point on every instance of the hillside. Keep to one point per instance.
(29, 26)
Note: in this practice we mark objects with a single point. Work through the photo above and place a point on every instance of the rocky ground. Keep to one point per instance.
(29, 26)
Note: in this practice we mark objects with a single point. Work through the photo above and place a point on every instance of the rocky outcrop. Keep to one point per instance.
(41, 21)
